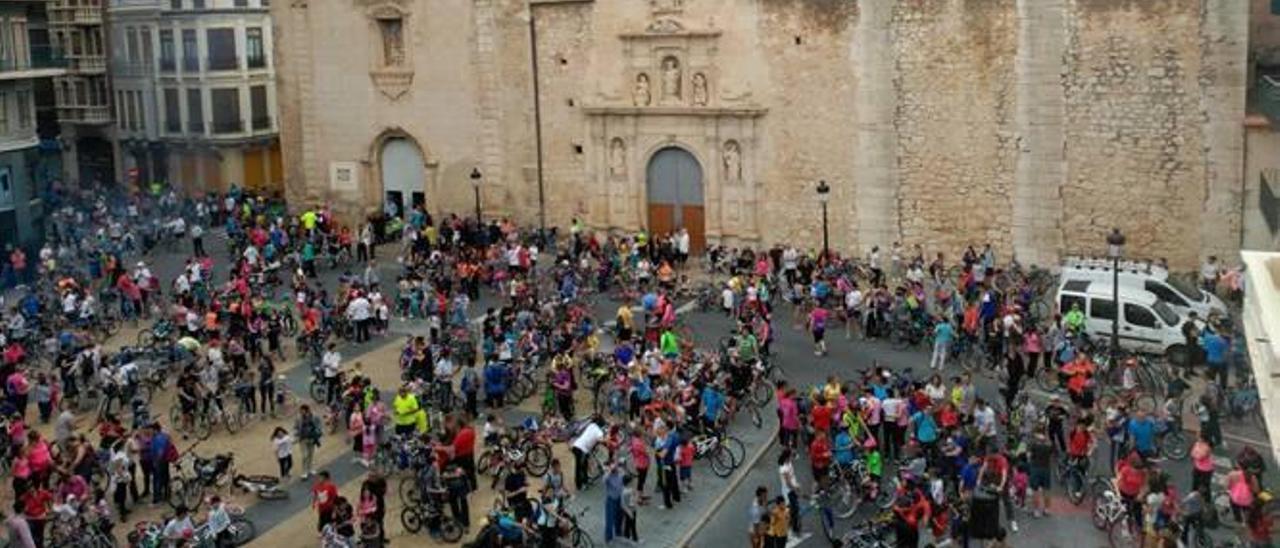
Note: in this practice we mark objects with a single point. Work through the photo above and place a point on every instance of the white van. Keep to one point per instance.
(1184, 297)
(1147, 324)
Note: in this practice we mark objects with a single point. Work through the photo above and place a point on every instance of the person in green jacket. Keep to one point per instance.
(669, 343)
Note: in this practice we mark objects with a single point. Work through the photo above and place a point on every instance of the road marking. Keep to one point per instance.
(793, 541)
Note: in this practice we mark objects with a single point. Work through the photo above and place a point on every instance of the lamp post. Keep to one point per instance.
(824, 192)
(475, 186)
(1115, 248)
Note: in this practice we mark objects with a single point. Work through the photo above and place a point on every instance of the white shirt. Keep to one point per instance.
(726, 298)
(985, 418)
(682, 242)
(590, 436)
(69, 303)
(331, 362)
(444, 369)
(197, 231)
(787, 476)
(853, 299)
(789, 258)
(283, 445)
(182, 285)
(892, 408)
(358, 309)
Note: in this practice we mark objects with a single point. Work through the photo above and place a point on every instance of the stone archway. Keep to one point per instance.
(676, 196)
(402, 173)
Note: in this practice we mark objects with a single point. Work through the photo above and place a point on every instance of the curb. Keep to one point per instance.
(729, 489)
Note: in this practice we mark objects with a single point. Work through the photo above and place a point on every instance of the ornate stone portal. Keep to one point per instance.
(671, 98)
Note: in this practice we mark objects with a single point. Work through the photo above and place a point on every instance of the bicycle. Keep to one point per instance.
(716, 447)
(1071, 472)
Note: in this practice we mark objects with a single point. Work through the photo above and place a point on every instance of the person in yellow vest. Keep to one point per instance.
(406, 412)
(308, 219)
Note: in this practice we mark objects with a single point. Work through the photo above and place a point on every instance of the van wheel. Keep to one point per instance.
(1177, 355)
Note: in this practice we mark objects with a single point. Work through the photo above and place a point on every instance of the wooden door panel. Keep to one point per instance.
(662, 219)
(693, 218)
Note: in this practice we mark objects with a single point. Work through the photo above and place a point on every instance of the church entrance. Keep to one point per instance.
(675, 193)
(403, 175)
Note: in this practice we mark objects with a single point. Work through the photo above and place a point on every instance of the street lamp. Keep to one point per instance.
(475, 186)
(1115, 248)
(824, 193)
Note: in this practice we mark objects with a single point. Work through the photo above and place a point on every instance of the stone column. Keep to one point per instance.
(874, 152)
(1041, 112)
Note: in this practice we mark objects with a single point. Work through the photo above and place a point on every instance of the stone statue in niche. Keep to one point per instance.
(670, 79)
(700, 89)
(640, 95)
(732, 162)
(617, 159)
(392, 41)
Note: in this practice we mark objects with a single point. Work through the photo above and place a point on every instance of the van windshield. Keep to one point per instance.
(1185, 288)
(1167, 314)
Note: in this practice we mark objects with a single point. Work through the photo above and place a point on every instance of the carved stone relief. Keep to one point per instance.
(699, 90)
(641, 96)
(618, 159)
(732, 163)
(671, 80)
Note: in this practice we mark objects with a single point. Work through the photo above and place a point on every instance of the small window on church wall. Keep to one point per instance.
(1275, 7)
(392, 41)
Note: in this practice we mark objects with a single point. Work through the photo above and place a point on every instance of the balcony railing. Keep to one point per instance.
(167, 65)
(129, 69)
(88, 15)
(1266, 94)
(222, 63)
(87, 63)
(228, 126)
(42, 57)
(95, 114)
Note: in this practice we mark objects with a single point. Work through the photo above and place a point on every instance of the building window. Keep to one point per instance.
(197, 4)
(190, 51)
(120, 109)
(142, 112)
(175, 4)
(226, 111)
(392, 41)
(128, 113)
(172, 111)
(131, 44)
(167, 55)
(255, 54)
(82, 93)
(258, 106)
(6, 188)
(195, 111)
(242, 3)
(1275, 7)
(221, 44)
(24, 109)
(147, 54)
(4, 112)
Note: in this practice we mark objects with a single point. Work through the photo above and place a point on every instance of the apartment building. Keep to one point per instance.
(194, 87)
(78, 29)
(28, 64)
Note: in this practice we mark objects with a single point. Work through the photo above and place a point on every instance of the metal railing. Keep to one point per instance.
(228, 126)
(1266, 95)
(41, 57)
(168, 64)
(219, 62)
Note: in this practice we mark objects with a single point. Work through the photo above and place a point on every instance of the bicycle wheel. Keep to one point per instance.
(450, 530)
(1047, 379)
(595, 464)
(242, 531)
(1075, 486)
(202, 428)
(175, 415)
(411, 519)
(146, 338)
(843, 499)
(581, 539)
(1100, 521)
(318, 390)
(537, 459)
(1174, 445)
(761, 394)
(757, 419)
(1123, 534)
(408, 490)
(736, 449)
(722, 461)
(231, 421)
(485, 463)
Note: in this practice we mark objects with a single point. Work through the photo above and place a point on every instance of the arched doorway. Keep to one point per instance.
(674, 181)
(403, 174)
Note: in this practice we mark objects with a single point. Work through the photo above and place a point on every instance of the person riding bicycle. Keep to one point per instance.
(1079, 379)
(1080, 446)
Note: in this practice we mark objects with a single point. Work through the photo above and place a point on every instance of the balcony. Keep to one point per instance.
(127, 69)
(86, 64)
(167, 64)
(221, 63)
(1266, 97)
(88, 15)
(88, 115)
(43, 61)
(228, 126)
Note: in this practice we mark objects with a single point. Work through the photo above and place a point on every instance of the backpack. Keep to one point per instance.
(171, 453)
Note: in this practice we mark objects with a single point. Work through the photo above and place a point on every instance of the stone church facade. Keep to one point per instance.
(1033, 125)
